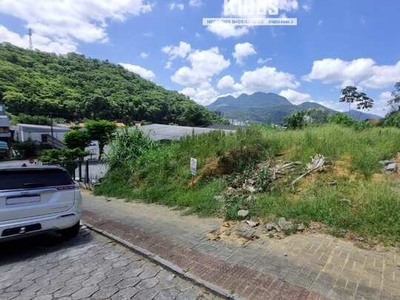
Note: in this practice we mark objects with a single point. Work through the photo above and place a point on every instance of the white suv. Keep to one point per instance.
(38, 199)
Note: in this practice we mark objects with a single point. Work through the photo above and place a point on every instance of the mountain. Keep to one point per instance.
(361, 116)
(256, 100)
(268, 108)
(74, 87)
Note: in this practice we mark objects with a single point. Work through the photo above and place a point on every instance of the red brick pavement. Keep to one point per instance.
(244, 282)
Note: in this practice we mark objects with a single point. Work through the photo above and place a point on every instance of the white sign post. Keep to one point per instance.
(193, 166)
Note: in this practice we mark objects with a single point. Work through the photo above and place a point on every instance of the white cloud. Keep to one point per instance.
(69, 21)
(204, 64)
(267, 79)
(363, 72)
(242, 51)
(225, 31)
(196, 3)
(295, 97)
(182, 50)
(204, 94)
(145, 73)
(262, 61)
(144, 55)
(174, 5)
(40, 42)
(228, 83)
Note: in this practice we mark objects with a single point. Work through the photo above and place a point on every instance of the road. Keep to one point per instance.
(88, 267)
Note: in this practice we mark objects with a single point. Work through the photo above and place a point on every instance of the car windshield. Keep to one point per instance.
(20, 179)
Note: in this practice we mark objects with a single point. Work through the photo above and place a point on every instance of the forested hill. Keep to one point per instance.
(74, 87)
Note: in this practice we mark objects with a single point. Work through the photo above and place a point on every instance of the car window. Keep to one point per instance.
(19, 179)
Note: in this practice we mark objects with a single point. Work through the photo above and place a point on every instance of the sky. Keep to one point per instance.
(335, 44)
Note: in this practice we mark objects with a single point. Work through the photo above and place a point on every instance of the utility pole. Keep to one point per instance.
(51, 130)
(30, 38)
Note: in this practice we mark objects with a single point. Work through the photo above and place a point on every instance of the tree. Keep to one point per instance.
(100, 131)
(296, 120)
(364, 102)
(64, 157)
(350, 95)
(77, 139)
(395, 101)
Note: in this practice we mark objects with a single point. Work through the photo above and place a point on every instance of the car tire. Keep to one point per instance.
(70, 232)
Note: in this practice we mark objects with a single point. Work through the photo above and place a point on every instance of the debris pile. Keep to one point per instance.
(389, 166)
(317, 165)
(243, 232)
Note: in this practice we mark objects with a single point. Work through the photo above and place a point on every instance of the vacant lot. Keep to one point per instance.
(350, 194)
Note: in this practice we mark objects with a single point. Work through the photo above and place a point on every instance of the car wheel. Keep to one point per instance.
(70, 232)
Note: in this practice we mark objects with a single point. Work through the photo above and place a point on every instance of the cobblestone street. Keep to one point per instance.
(88, 267)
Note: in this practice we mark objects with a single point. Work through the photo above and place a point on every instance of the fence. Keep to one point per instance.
(86, 171)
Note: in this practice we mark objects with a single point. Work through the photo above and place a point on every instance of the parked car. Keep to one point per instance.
(37, 199)
(4, 151)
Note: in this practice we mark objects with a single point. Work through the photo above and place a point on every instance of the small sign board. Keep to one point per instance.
(193, 166)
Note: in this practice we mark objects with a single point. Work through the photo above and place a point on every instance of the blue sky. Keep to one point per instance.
(336, 43)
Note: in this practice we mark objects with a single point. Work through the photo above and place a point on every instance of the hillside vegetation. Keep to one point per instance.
(74, 87)
(236, 171)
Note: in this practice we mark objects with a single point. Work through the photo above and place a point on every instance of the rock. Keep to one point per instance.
(285, 254)
(243, 213)
(252, 223)
(245, 232)
(301, 227)
(284, 225)
(270, 226)
(391, 167)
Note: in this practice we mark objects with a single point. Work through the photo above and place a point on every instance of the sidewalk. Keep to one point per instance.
(297, 267)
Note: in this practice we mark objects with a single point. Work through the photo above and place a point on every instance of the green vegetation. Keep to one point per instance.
(77, 139)
(27, 119)
(73, 87)
(350, 95)
(64, 157)
(100, 131)
(27, 149)
(358, 201)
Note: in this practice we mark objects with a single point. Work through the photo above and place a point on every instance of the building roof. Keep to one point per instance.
(4, 121)
(160, 132)
(42, 127)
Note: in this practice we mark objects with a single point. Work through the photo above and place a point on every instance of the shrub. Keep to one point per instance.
(77, 139)
(296, 120)
(27, 149)
(127, 146)
(392, 119)
(345, 120)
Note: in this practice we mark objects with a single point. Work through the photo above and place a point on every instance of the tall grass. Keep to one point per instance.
(366, 148)
(127, 146)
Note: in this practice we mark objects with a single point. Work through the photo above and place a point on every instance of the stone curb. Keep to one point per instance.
(216, 290)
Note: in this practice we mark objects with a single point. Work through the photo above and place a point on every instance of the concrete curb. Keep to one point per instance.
(216, 290)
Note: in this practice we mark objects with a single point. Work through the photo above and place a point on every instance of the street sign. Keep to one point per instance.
(193, 166)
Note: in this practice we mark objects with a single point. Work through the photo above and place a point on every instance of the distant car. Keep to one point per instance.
(38, 199)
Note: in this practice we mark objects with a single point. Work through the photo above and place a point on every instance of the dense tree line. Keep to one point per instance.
(74, 87)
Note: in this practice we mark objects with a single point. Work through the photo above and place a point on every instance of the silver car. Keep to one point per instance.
(38, 199)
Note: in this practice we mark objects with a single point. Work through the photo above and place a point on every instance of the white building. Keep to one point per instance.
(39, 133)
